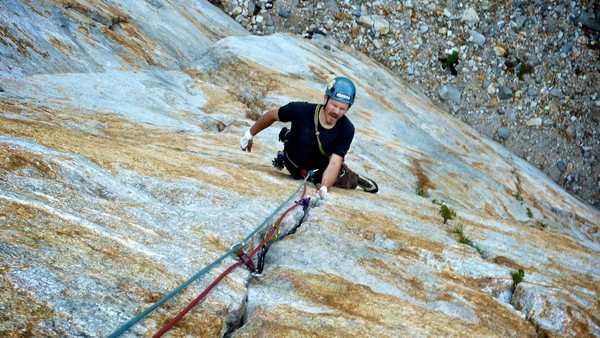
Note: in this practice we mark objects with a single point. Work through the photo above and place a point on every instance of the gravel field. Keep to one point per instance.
(526, 72)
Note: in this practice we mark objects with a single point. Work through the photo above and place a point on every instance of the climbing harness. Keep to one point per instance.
(234, 248)
(279, 161)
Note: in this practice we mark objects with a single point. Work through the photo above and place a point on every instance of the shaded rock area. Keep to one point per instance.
(121, 177)
(518, 60)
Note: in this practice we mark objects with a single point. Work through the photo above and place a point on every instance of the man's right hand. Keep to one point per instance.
(322, 192)
(246, 141)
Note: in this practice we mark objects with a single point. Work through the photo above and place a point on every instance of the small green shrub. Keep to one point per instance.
(422, 191)
(451, 60)
(518, 276)
(446, 212)
(519, 197)
(537, 224)
(458, 230)
(463, 239)
(529, 213)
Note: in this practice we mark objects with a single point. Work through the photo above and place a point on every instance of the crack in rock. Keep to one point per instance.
(243, 312)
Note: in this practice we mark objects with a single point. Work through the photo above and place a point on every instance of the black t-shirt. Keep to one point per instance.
(302, 147)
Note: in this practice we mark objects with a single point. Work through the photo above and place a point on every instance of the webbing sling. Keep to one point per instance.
(317, 131)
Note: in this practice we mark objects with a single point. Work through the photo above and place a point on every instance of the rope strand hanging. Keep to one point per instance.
(193, 303)
(202, 272)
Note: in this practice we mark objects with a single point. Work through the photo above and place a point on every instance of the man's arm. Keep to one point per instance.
(332, 171)
(262, 123)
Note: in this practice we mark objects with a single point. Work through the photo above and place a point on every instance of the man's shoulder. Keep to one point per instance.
(301, 105)
(346, 123)
(296, 111)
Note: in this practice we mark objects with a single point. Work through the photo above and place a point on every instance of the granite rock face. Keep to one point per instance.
(121, 177)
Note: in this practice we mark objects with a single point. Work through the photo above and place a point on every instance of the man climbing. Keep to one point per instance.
(319, 138)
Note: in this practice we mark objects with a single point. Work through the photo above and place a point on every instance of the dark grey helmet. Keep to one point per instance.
(341, 89)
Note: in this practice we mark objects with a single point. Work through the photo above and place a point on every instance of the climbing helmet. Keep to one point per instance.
(341, 89)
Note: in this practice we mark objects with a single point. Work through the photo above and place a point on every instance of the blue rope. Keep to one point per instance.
(139, 317)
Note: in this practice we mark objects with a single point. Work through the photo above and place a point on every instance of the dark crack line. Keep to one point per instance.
(243, 316)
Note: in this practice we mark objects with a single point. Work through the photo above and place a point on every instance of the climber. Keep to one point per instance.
(319, 138)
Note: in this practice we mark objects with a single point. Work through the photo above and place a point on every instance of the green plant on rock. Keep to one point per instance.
(447, 212)
(458, 230)
(463, 239)
(529, 213)
(519, 197)
(451, 59)
(450, 62)
(537, 224)
(422, 191)
(518, 276)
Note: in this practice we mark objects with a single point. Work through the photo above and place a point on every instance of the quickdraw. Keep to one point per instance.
(276, 234)
(304, 201)
(261, 259)
(246, 259)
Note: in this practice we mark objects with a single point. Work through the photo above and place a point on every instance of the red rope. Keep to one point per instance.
(192, 304)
